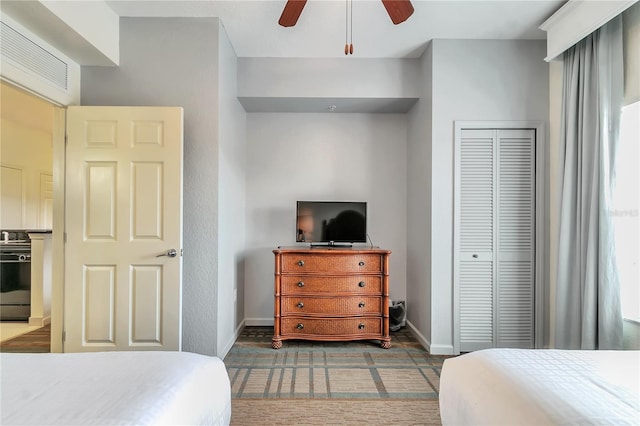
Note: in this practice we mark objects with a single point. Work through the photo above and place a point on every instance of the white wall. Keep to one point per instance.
(631, 43)
(324, 156)
(419, 169)
(471, 80)
(322, 78)
(157, 69)
(474, 80)
(355, 85)
(231, 200)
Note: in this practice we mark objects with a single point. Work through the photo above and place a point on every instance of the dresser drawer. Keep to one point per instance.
(300, 284)
(331, 263)
(331, 306)
(331, 327)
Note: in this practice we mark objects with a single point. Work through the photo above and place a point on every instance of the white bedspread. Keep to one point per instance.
(537, 387)
(109, 388)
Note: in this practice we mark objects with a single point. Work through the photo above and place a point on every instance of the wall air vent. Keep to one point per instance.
(32, 57)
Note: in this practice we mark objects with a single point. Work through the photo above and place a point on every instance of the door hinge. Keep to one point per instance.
(64, 336)
(64, 237)
(66, 138)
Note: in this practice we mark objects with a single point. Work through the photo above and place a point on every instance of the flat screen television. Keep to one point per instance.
(331, 222)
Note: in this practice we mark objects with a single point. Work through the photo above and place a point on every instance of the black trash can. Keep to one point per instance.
(397, 315)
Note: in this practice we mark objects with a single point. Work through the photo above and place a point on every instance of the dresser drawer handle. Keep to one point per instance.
(300, 326)
(300, 305)
(361, 326)
(361, 284)
(300, 283)
(361, 263)
(300, 262)
(361, 305)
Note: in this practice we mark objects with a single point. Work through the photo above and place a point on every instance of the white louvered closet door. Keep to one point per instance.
(476, 248)
(495, 217)
(516, 239)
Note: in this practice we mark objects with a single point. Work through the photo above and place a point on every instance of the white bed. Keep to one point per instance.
(541, 387)
(125, 388)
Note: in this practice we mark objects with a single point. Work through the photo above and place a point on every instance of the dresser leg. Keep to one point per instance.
(386, 344)
(276, 343)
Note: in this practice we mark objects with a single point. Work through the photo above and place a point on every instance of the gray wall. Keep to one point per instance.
(471, 80)
(419, 170)
(459, 80)
(174, 62)
(321, 156)
(231, 200)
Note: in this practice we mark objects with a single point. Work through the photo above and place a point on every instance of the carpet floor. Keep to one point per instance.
(336, 383)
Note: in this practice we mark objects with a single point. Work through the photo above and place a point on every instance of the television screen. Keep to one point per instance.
(331, 222)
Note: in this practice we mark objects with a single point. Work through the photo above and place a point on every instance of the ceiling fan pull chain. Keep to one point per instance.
(346, 27)
(351, 26)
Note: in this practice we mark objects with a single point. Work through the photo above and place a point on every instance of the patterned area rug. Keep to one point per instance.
(355, 382)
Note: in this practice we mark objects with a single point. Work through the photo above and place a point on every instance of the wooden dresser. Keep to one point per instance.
(331, 294)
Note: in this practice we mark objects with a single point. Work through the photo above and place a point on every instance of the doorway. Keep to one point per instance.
(26, 163)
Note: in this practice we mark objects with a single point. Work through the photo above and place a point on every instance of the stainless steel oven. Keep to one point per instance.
(15, 280)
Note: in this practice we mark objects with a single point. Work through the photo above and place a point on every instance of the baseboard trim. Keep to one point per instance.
(441, 350)
(39, 321)
(432, 349)
(258, 322)
(232, 341)
(421, 339)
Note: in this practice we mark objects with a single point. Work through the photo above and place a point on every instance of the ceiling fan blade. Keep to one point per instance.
(398, 10)
(291, 12)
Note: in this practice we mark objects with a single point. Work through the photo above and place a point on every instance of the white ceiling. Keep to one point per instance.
(252, 25)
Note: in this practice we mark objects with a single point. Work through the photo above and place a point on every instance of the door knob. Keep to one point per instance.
(169, 253)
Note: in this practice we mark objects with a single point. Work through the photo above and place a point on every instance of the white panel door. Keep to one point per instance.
(495, 238)
(123, 209)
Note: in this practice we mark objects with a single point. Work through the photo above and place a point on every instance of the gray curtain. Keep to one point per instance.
(588, 312)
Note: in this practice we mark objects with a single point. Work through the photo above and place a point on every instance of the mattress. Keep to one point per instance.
(538, 387)
(109, 388)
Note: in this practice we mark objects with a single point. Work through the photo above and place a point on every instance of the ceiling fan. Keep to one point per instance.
(398, 10)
